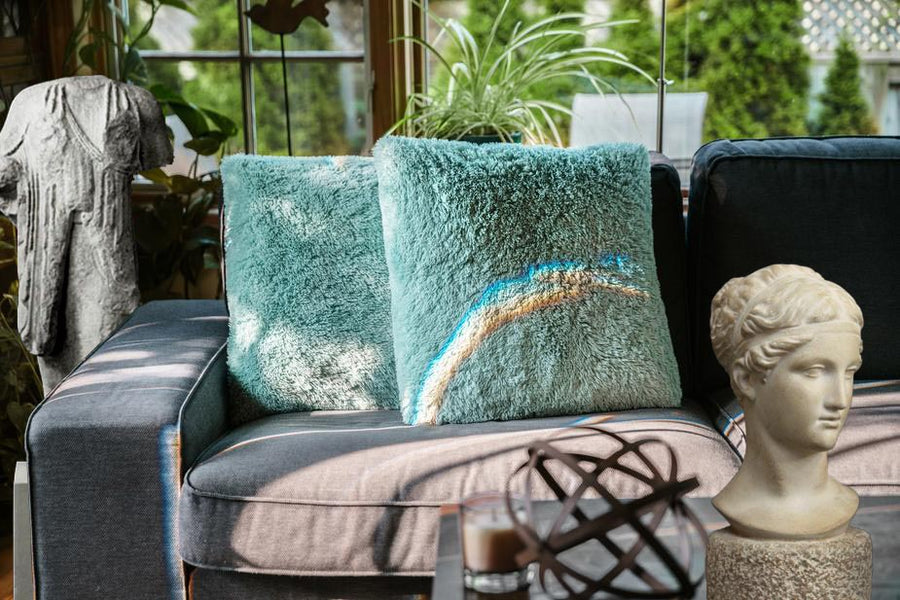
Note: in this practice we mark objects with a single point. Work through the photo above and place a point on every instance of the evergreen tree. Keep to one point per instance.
(638, 41)
(749, 58)
(844, 110)
(684, 52)
(755, 69)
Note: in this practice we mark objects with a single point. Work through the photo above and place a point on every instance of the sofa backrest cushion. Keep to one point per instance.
(307, 284)
(832, 204)
(671, 257)
(523, 280)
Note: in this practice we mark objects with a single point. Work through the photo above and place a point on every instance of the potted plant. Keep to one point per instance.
(487, 95)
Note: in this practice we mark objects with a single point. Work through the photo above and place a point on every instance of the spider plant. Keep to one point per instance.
(488, 87)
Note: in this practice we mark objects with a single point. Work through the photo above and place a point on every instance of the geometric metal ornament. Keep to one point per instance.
(570, 476)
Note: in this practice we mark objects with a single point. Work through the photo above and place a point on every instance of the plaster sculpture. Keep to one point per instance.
(68, 152)
(791, 343)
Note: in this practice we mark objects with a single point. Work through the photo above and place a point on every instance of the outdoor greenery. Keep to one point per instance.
(478, 20)
(490, 82)
(317, 114)
(20, 384)
(749, 58)
(639, 41)
(843, 108)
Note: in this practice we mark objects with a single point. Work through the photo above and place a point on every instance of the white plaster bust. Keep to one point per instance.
(790, 340)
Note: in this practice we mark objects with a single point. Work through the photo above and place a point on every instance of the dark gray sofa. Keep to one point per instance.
(141, 489)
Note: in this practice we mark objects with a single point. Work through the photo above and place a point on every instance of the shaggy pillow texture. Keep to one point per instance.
(307, 285)
(523, 281)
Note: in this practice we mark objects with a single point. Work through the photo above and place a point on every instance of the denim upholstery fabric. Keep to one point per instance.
(358, 493)
(105, 454)
(832, 204)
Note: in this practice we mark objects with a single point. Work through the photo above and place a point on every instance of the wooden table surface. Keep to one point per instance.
(879, 515)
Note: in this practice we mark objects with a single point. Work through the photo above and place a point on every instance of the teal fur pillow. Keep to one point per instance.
(523, 281)
(307, 283)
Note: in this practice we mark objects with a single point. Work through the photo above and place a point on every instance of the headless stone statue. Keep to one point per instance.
(68, 152)
(790, 341)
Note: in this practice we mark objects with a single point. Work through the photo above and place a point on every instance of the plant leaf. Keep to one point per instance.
(225, 124)
(134, 69)
(165, 94)
(157, 176)
(183, 185)
(88, 55)
(180, 4)
(151, 235)
(18, 415)
(207, 144)
(192, 117)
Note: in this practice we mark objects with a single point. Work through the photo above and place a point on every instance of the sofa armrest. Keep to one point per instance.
(108, 447)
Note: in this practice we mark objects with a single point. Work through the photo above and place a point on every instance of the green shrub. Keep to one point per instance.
(843, 111)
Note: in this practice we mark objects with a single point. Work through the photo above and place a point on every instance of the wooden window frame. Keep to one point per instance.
(393, 68)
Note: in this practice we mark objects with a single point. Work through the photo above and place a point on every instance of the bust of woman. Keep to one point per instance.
(790, 341)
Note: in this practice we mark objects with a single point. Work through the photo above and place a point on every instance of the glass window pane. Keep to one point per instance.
(626, 110)
(345, 31)
(215, 86)
(327, 108)
(600, 115)
(212, 26)
(779, 68)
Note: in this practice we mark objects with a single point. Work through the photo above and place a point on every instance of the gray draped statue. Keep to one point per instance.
(68, 152)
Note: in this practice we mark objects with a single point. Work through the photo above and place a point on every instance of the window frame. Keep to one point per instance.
(388, 78)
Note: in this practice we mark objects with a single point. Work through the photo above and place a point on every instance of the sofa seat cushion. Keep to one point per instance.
(356, 492)
(866, 453)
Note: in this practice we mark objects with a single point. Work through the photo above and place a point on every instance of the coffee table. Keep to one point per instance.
(879, 515)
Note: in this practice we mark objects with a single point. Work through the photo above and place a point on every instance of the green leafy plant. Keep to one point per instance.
(172, 233)
(93, 45)
(20, 383)
(487, 92)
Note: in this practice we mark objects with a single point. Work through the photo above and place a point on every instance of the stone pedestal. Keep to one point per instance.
(740, 568)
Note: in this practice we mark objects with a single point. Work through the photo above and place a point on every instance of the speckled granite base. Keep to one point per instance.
(838, 567)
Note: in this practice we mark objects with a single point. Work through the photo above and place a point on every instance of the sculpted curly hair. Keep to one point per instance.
(770, 300)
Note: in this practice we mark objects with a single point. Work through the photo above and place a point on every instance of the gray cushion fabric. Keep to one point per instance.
(867, 451)
(334, 493)
(104, 454)
(209, 584)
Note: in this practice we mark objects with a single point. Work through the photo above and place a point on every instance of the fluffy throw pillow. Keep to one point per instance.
(523, 281)
(307, 286)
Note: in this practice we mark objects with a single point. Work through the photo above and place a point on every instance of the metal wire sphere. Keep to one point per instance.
(643, 515)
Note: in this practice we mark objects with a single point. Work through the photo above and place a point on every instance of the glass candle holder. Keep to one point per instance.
(490, 544)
